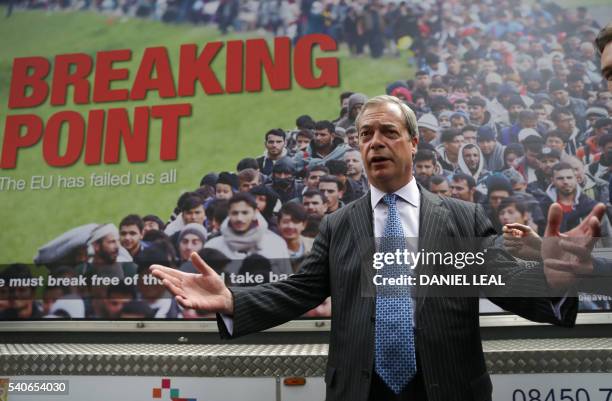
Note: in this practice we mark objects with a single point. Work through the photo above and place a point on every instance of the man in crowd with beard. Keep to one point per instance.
(354, 168)
(352, 138)
(283, 180)
(325, 146)
(130, 236)
(315, 204)
(245, 232)
(104, 242)
(275, 150)
(463, 187)
(424, 165)
(472, 163)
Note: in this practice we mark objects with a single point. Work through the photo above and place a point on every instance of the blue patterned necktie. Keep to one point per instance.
(395, 352)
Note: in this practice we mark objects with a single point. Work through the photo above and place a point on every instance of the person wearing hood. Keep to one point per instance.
(325, 146)
(471, 162)
(283, 180)
(268, 203)
(275, 150)
(429, 129)
(355, 102)
(245, 232)
(190, 239)
(492, 151)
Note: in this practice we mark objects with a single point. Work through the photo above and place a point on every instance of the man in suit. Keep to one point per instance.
(440, 355)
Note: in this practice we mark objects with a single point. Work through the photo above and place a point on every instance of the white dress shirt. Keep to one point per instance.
(408, 207)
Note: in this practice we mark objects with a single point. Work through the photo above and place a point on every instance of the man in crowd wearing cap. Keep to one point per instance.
(191, 208)
(593, 114)
(354, 168)
(245, 232)
(190, 239)
(275, 150)
(492, 151)
(352, 189)
(548, 158)
(333, 190)
(283, 180)
(429, 129)
(452, 140)
(226, 185)
(325, 146)
(104, 242)
(355, 102)
(292, 219)
(130, 236)
(562, 100)
(533, 143)
(152, 223)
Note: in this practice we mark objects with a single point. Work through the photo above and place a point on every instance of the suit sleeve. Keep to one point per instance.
(268, 305)
(525, 291)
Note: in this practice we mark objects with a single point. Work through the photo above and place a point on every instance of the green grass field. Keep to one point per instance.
(222, 129)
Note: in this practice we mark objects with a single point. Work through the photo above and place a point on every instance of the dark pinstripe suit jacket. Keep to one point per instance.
(447, 329)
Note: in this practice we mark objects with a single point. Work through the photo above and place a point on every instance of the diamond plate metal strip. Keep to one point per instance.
(241, 360)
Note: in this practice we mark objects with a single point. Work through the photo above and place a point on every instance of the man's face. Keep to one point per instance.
(331, 192)
(576, 87)
(386, 147)
(461, 190)
(529, 123)
(437, 92)
(289, 228)
(424, 168)
(495, 197)
(470, 137)
(195, 215)
(246, 186)
(312, 182)
(150, 225)
(354, 166)
(130, 237)
(532, 159)
(512, 160)
(554, 142)
(189, 244)
(460, 106)
(510, 214)
(241, 216)
(514, 110)
(442, 189)
(107, 248)
(547, 164)
(565, 182)
(427, 134)
(458, 122)
(560, 96)
(275, 145)
(542, 114)
(471, 156)
(422, 82)
(453, 146)
(566, 123)
(444, 121)
(314, 205)
(302, 142)
(606, 66)
(323, 138)
(353, 140)
(223, 191)
(476, 112)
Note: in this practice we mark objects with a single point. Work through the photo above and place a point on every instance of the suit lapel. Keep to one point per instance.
(362, 231)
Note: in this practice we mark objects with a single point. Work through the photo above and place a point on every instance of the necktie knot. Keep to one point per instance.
(390, 199)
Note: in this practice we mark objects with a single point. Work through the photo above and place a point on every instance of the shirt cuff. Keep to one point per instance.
(557, 307)
(229, 323)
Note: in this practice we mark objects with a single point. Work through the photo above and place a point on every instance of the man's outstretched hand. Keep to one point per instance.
(205, 290)
(567, 256)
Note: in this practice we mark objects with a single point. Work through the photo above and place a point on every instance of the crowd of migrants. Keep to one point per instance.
(512, 113)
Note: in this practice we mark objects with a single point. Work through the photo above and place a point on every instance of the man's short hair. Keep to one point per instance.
(325, 124)
(247, 175)
(603, 38)
(304, 122)
(512, 201)
(469, 127)
(449, 134)
(437, 180)
(477, 101)
(311, 193)
(332, 178)
(464, 177)
(155, 219)
(556, 113)
(410, 120)
(556, 134)
(562, 166)
(247, 162)
(217, 210)
(424, 155)
(188, 201)
(294, 210)
(336, 167)
(276, 132)
(306, 133)
(242, 197)
(527, 115)
(132, 220)
(319, 167)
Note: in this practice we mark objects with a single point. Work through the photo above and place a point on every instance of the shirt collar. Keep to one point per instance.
(408, 193)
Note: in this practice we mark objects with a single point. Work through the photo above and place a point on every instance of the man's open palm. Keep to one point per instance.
(205, 290)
